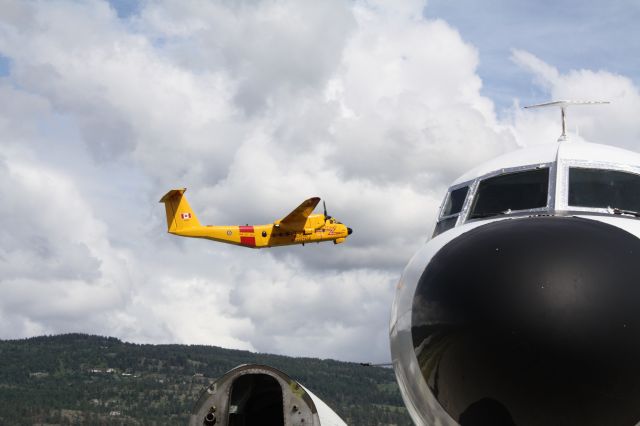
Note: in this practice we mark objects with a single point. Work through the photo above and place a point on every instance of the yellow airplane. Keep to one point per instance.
(298, 227)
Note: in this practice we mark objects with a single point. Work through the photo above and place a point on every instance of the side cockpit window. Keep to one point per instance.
(526, 190)
(451, 209)
(601, 188)
(454, 202)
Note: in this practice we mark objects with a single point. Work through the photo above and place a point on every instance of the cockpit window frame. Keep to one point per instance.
(448, 196)
(563, 191)
(551, 190)
(473, 184)
(457, 215)
(557, 194)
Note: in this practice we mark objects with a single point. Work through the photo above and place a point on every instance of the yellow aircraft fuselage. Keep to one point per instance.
(299, 227)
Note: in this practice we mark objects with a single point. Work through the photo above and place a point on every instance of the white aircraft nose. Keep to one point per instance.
(534, 319)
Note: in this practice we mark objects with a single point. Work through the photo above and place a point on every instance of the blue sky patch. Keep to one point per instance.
(586, 35)
(5, 65)
(126, 8)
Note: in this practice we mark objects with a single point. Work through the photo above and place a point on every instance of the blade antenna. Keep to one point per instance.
(563, 106)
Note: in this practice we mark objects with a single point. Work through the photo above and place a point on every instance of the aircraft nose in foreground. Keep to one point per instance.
(505, 317)
(523, 307)
(349, 231)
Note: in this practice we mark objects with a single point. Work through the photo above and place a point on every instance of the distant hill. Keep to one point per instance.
(84, 379)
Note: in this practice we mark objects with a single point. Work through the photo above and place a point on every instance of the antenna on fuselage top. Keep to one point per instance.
(563, 106)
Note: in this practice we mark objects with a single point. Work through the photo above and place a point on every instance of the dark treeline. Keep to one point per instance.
(83, 379)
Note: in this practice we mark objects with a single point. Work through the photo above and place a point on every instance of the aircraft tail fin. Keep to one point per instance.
(179, 213)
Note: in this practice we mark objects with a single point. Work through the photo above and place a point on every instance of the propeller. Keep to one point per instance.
(324, 206)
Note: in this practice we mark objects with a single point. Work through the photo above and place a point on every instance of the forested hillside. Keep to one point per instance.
(82, 379)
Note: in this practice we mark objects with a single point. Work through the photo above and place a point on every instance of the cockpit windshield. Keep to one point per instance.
(524, 190)
(603, 188)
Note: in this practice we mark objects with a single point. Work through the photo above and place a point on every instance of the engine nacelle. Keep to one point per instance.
(254, 394)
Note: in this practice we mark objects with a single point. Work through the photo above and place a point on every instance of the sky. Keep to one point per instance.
(255, 105)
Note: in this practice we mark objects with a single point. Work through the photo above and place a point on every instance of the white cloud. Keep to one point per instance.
(546, 75)
(254, 106)
(56, 264)
(615, 124)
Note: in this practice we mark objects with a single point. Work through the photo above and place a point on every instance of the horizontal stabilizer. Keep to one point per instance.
(172, 193)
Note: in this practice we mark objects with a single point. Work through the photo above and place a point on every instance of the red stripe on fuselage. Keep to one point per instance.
(246, 228)
(248, 241)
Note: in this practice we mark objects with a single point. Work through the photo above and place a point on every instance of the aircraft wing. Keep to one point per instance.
(301, 213)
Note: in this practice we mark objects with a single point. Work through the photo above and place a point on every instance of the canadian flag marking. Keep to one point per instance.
(186, 216)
